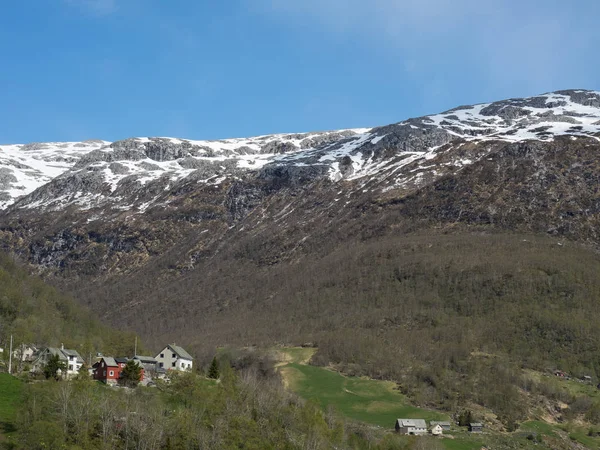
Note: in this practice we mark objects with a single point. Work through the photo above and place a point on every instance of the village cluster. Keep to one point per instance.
(107, 369)
(436, 428)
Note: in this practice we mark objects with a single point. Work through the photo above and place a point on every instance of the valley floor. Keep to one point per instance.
(379, 403)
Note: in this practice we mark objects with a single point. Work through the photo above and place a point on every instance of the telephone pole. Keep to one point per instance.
(10, 356)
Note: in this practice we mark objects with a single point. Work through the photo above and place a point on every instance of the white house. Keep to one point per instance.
(437, 430)
(411, 426)
(445, 425)
(175, 358)
(24, 352)
(70, 358)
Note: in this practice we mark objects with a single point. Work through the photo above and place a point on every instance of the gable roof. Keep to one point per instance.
(476, 424)
(110, 361)
(121, 359)
(417, 423)
(145, 359)
(437, 422)
(180, 352)
(74, 353)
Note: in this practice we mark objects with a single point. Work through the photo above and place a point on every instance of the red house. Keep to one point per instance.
(107, 370)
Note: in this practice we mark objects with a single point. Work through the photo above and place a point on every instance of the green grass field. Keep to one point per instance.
(10, 394)
(584, 439)
(536, 426)
(379, 403)
(370, 401)
(461, 444)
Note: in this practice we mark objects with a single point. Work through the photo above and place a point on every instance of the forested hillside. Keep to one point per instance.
(35, 313)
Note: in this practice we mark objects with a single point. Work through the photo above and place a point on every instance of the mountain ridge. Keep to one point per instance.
(96, 173)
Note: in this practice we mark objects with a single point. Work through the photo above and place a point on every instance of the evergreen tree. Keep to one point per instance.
(213, 371)
(131, 374)
(52, 367)
(465, 418)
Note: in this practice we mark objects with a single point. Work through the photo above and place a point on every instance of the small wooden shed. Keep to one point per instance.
(476, 427)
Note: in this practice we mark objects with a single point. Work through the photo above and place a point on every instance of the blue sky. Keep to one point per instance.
(111, 69)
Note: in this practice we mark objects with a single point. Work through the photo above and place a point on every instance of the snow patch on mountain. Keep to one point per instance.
(24, 168)
(135, 173)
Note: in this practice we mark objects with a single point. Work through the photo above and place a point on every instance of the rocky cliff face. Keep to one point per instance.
(98, 213)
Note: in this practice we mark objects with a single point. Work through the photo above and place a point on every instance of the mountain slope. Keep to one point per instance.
(401, 250)
(33, 312)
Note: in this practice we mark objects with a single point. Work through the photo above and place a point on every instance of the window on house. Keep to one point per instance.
(70, 366)
(162, 355)
(104, 373)
(174, 355)
(173, 364)
(161, 365)
(111, 373)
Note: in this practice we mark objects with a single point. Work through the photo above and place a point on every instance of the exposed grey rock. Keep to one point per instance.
(165, 150)
(278, 147)
(87, 182)
(7, 177)
(507, 112)
(16, 164)
(192, 163)
(149, 166)
(34, 146)
(320, 141)
(245, 150)
(118, 169)
(551, 117)
(346, 167)
(400, 138)
(586, 98)
(279, 176)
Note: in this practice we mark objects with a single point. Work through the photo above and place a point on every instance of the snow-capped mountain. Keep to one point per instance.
(144, 227)
(135, 174)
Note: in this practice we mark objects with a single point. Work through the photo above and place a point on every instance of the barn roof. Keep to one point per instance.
(417, 423)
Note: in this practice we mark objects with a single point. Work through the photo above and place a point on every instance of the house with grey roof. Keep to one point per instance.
(150, 366)
(174, 357)
(445, 425)
(71, 359)
(411, 426)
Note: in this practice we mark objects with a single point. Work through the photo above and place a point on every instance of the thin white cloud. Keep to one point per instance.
(524, 45)
(96, 7)
(383, 18)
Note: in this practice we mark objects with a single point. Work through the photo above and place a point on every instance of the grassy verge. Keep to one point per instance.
(11, 390)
